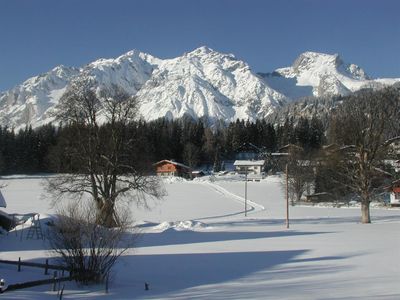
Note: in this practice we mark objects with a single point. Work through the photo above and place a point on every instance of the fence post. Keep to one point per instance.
(46, 269)
(19, 264)
(55, 281)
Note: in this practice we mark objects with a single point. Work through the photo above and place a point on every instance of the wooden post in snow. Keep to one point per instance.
(46, 269)
(245, 194)
(287, 196)
(19, 264)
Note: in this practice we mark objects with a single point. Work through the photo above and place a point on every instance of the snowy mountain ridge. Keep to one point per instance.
(206, 83)
(201, 83)
(30, 102)
(319, 74)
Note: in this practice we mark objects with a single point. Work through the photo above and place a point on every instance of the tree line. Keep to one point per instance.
(27, 151)
(194, 143)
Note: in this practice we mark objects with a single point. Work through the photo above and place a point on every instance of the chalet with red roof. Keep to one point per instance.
(395, 194)
(172, 168)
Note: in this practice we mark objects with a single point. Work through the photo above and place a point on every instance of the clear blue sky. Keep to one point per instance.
(36, 36)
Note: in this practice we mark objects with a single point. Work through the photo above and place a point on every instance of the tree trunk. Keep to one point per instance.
(106, 213)
(365, 214)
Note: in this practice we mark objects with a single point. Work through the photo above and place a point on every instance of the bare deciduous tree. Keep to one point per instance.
(99, 147)
(300, 172)
(87, 249)
(364, 127)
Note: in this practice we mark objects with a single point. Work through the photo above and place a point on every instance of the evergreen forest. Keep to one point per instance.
(45, 149)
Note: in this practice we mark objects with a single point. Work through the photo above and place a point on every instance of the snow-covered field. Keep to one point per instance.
(197, 244)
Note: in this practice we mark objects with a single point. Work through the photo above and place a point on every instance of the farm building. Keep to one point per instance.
(6, 221)
(248, 151)
(2, 201)
(171, 168)
(395, 195)
(252, 168)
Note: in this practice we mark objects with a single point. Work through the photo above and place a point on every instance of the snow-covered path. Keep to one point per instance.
(248, 206)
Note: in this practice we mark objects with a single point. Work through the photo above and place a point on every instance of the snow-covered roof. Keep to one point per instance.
(2, 201)
(198, 171)
(171, 162)
(279, 154)
(249, 163)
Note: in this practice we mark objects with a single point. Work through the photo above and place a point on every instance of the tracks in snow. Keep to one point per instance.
(254, 207)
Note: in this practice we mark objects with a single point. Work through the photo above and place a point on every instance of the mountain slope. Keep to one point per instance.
(31, 102)
(318, 74)
(129, 71)
(206, 83)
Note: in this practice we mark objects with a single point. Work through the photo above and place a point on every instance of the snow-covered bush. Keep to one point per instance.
(88, 249)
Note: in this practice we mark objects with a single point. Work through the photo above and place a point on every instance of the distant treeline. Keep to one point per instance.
(45, 149)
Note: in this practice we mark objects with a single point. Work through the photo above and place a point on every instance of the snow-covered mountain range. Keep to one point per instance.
(201, 83)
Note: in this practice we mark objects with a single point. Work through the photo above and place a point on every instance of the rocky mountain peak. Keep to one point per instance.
(325, 64)
(309, 60)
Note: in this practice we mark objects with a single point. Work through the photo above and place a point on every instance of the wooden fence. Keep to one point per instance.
(46, 266)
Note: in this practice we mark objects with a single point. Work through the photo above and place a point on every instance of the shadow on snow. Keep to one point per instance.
(173, 237)
(172, 273)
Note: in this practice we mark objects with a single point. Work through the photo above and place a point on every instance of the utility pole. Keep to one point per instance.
(245, 194)
(287, 196)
